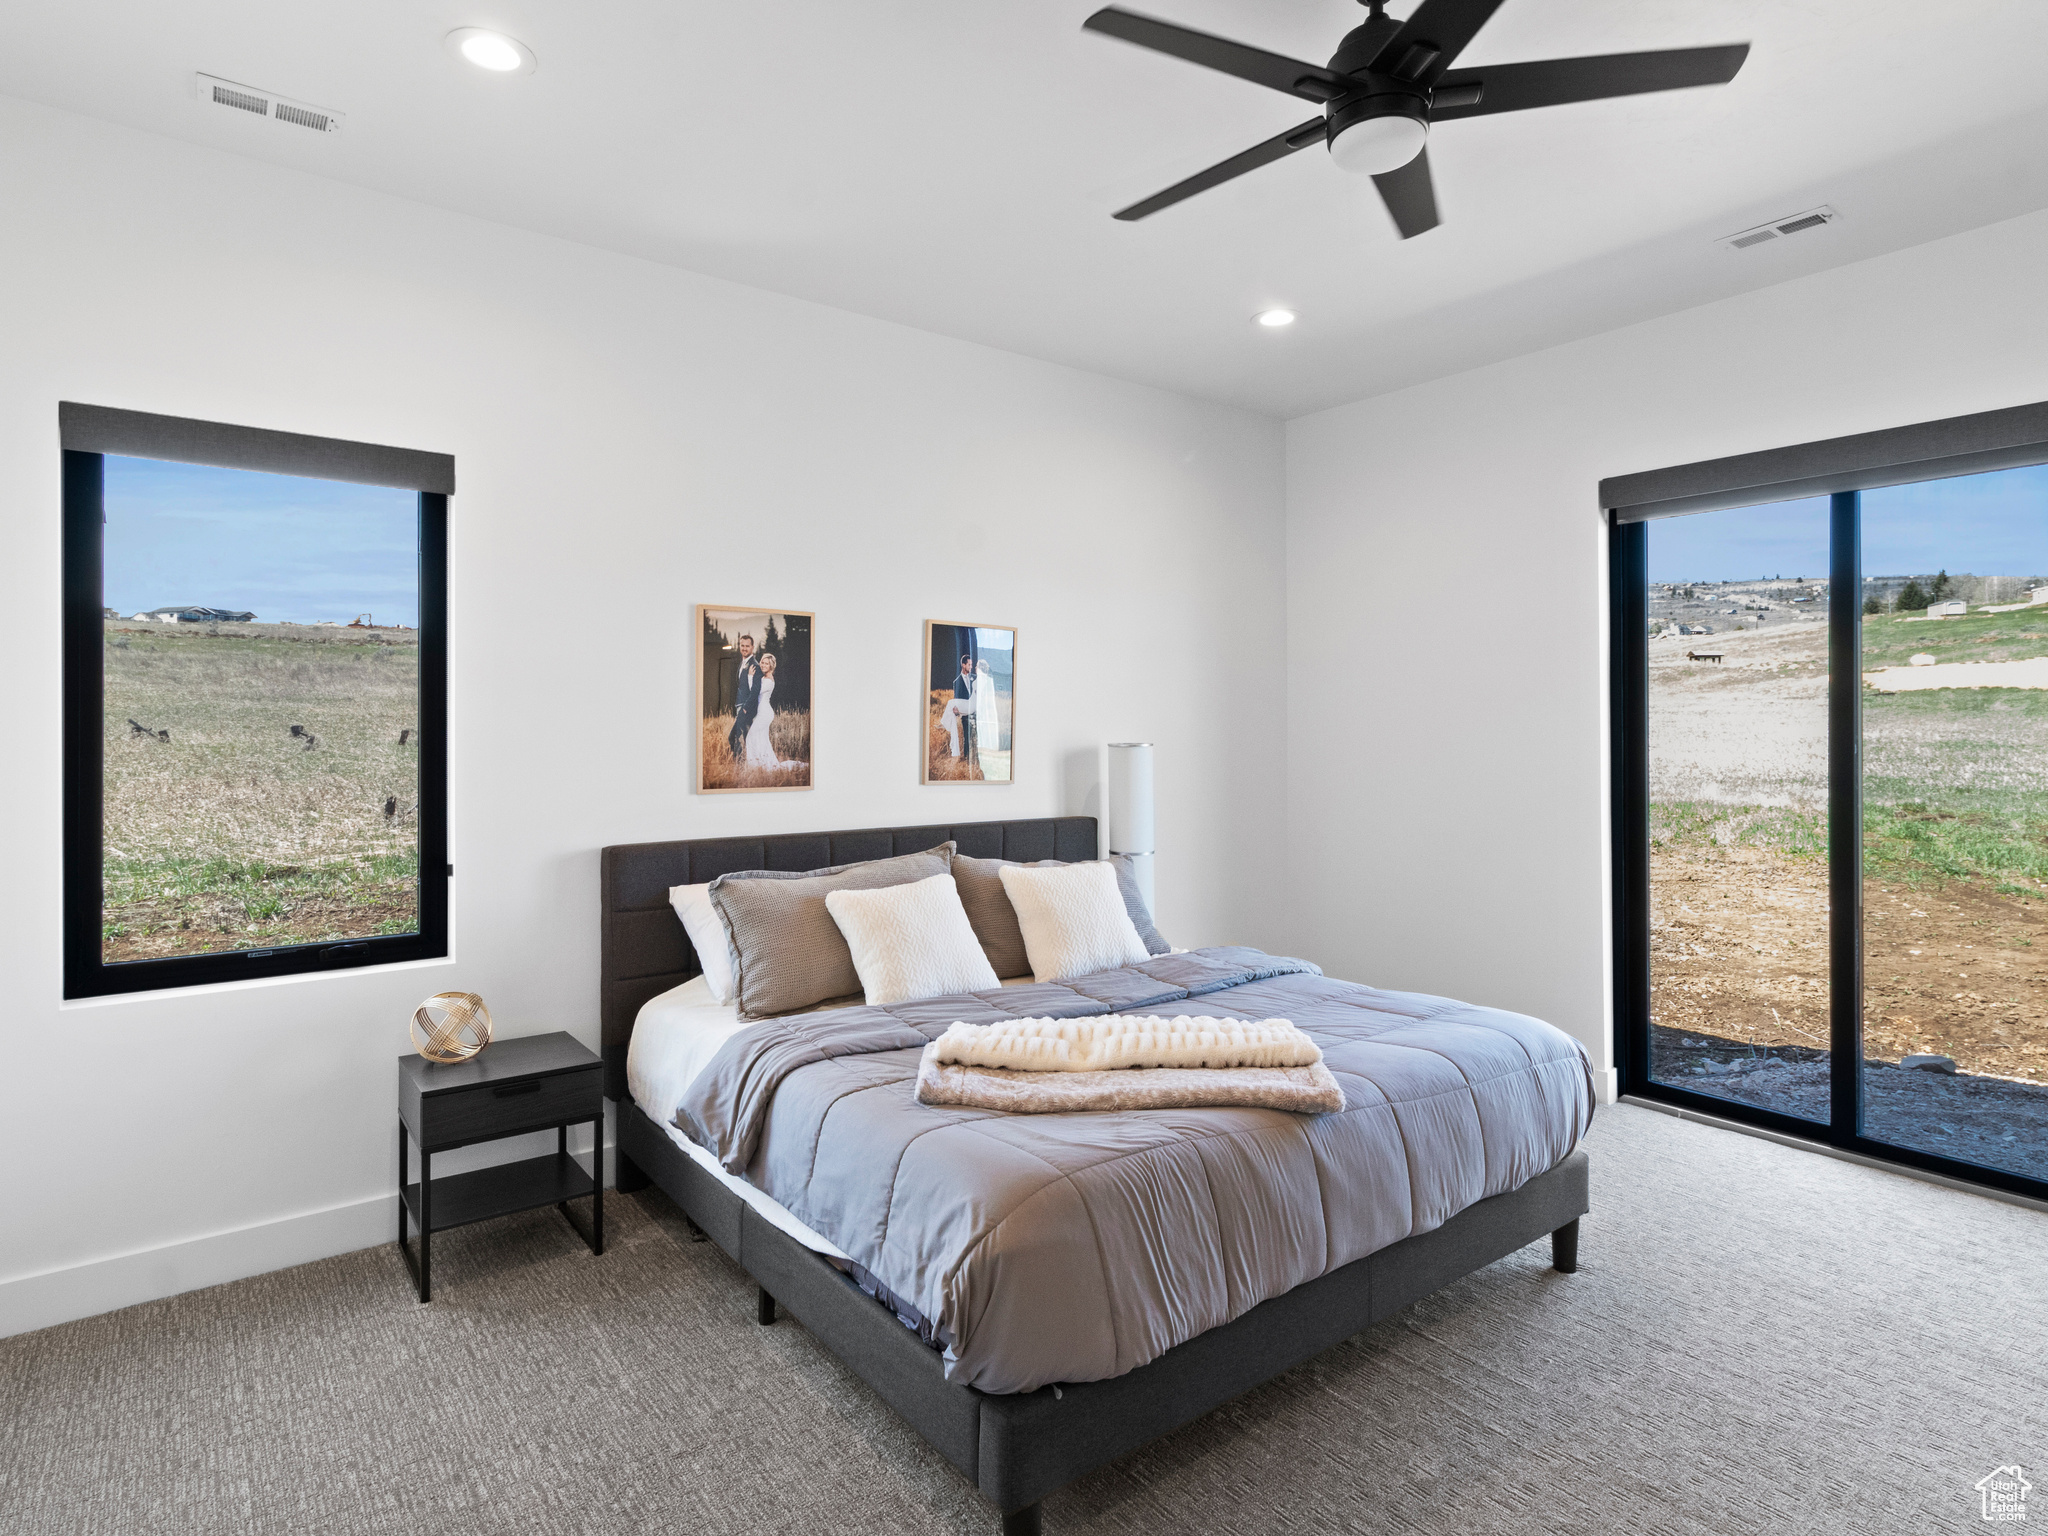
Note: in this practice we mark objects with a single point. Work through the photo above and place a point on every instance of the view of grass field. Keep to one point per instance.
(1955, 851)
(225, 830)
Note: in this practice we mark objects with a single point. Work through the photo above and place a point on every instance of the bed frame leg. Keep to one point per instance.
(626, 1174)
(1564, 1248)
(1022, 1522)
(764, 1308)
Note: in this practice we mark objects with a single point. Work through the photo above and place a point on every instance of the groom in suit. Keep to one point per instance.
(961, 704)
(746, 698)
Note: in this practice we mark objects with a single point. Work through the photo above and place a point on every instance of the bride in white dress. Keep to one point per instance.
(760, 750)
(988, 729)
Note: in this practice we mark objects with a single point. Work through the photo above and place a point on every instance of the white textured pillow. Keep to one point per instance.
(1073, 919)
(707, 936)
(911, 941)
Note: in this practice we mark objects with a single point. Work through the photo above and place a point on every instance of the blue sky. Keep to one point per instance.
(280, 546)
(1988, 525)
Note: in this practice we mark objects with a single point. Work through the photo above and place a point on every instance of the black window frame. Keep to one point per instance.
(89, 433)
(1840, 468)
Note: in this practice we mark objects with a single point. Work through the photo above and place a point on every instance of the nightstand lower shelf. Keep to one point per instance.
(462, 1198)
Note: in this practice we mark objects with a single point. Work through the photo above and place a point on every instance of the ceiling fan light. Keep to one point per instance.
(1374, 146)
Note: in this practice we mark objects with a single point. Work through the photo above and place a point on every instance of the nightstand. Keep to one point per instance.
(536, 1083)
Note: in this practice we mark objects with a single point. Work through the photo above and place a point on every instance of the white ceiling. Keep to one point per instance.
(952, 164)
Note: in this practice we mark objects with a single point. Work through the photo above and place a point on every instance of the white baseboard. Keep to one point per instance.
(1607, 1084)
(63, 1295)
(72, 1291)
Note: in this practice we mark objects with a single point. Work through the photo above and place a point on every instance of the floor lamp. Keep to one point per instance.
(1130, 809)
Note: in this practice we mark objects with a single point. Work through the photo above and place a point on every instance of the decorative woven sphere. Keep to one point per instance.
(444, 1018)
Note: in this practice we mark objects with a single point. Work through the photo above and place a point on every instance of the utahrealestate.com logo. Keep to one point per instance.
(2005, 1494)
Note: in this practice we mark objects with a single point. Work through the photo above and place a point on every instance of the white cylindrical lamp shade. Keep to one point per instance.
(1130, 809)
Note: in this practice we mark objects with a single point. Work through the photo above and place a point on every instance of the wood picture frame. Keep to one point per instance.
(748, 744)
(959, 714)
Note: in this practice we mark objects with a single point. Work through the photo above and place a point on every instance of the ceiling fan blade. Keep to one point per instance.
(1444, 26)
(1278, 147)
(1311, 82)
(1410, 196)
(1554, 82)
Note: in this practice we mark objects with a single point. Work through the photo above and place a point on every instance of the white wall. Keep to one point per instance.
(1447, 587)
(630, 440)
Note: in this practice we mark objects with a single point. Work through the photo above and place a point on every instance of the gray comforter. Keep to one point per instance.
(1073, 1247)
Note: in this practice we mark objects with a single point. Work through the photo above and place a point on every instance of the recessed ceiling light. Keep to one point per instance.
(494, 51)
(1273, 319)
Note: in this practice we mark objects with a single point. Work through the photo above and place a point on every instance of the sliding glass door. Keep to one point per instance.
(1832, 819)
(1738, 835)
(1955, 820)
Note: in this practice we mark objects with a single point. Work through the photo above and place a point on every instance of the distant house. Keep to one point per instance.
(1954, 608)
(196, 615)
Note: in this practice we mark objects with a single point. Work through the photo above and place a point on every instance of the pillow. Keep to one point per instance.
(989, 910)
(707, 936)
(995, 920)
(1134, 905)
(911, 941)
(1073, 919)
(787, 952)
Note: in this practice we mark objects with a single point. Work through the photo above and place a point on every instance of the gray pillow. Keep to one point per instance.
(787, 952)
(989, 911)
(995, 920)
(1134, 903)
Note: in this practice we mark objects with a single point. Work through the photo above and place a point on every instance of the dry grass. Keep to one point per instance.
(789, 733)
(233, 834)
(938, 744)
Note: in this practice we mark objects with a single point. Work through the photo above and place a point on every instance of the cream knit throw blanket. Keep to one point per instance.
(1062, 1066)
(1105, 1044)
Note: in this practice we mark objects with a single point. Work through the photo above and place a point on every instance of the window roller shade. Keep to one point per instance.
(1930, 450)
(142, 435)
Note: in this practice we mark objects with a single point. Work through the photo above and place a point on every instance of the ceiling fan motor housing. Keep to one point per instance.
(1386, 123)
(1381, 131)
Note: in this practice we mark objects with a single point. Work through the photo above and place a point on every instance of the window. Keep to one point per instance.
(1831, 796)
(254, 703)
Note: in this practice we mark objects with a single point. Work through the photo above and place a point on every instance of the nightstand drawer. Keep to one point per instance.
(505, 1109)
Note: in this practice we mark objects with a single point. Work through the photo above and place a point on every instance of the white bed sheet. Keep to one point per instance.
(675, 1035)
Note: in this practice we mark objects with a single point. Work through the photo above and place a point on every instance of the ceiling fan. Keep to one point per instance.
(1390, 80)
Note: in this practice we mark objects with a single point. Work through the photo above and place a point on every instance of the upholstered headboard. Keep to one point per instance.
(645, 951)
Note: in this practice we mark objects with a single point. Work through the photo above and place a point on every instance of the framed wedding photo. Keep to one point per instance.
(753, 699)
(970, 703)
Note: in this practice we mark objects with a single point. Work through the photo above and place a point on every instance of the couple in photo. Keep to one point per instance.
(974, 694)
(754, 712)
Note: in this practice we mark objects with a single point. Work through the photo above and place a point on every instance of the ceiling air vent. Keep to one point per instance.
(1778, 229)
(254, 103)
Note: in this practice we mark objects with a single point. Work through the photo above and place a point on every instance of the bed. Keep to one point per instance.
(1017, 1410)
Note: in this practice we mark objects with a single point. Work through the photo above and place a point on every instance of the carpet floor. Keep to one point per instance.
(1759, 1339)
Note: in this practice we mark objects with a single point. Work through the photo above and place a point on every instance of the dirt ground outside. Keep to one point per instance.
(1739, 943)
